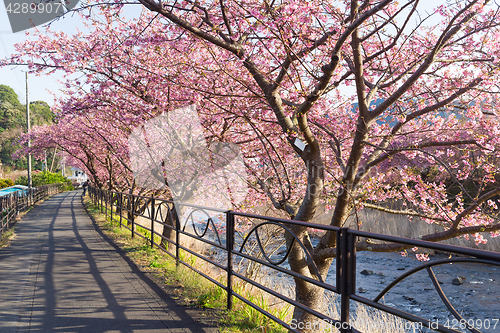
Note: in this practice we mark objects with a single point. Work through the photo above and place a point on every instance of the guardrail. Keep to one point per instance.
(264, 243)
(13, 203)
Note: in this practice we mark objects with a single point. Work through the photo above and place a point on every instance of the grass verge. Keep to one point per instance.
(186, 285)
(6, 237)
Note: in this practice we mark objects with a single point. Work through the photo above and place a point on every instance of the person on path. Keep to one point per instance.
(85, 186)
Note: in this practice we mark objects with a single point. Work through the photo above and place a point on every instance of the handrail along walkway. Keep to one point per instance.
(20, 201)
(162, 212)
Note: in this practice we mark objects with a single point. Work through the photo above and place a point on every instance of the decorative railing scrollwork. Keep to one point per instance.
(209, 222)
(428, 267)
(269, 242)
(295, 239)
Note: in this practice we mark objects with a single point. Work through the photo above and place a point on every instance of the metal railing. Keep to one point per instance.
(217, 229)
(13, 203)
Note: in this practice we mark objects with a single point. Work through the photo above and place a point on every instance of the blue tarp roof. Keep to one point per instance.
(12, 189)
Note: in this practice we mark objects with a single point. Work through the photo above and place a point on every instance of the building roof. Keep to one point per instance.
(12, 189)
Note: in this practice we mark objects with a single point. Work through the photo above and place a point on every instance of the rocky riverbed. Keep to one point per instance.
(472, 289)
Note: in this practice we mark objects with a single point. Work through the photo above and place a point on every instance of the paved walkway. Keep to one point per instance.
(61, 275)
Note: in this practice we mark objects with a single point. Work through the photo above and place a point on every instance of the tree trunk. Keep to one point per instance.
(53, 159)
(171, 221)
(306, 293)
(313, 297)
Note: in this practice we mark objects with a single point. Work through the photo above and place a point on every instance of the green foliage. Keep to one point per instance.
(6, 183)
(8, 94)
(154, 263)
(13, 113)
(10, 116)
(43, 178)
(40, 113)
(23, 180)
(13, 124)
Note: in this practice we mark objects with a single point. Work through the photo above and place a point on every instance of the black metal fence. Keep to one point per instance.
(176, 227)
(19, 201)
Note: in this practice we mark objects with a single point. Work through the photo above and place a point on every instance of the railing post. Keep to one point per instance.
(121, 208)
(106, 194)
(111, 206)
(177, 238)
(229, 249)
(9, 203)
(133, 214)
(352, 264)
(152, 223)
(1, 211)
(346, 274)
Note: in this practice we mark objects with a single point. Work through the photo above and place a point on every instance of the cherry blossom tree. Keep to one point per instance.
(86, 144)
(350, 103)
(126, 88)
(421, 90)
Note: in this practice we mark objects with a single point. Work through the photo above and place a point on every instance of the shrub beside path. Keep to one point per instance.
(60, 275)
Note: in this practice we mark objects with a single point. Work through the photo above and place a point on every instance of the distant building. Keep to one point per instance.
(78, 176)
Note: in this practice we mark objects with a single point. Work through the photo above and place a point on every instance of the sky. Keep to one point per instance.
(41, 88)
(15, 76)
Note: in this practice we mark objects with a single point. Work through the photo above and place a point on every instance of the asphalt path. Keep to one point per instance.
(61, 275)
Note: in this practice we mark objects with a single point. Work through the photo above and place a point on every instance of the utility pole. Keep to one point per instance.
(28, 127)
